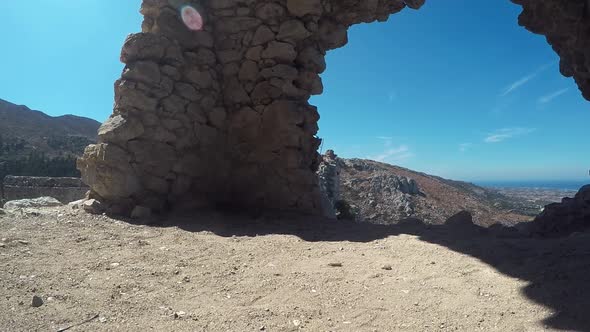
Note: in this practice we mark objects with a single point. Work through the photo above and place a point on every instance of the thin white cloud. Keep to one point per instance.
(549, 97)
(395, 154)
(463, 147)
(523, 80)
(507, 133)
(517, 84)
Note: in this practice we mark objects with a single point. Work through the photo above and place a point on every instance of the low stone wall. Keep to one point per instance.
(63, 189)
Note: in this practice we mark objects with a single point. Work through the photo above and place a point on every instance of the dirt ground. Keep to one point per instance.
(227, 273)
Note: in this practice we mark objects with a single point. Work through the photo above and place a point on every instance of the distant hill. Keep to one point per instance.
(34, 143)
(383, 193)
(45, 133)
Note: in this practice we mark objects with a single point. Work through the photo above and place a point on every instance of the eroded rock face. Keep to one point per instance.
(329, 181)
(571, 215)
(378, 194)
(221, 116)
(566, 25)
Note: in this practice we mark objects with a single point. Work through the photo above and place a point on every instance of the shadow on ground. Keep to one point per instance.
(557, 270)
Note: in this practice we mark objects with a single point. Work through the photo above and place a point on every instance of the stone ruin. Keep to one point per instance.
(220, 117)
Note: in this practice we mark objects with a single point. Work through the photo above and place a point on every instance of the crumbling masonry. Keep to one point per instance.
(221, 116)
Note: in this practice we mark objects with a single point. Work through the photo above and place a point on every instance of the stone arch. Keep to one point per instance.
(221, 116)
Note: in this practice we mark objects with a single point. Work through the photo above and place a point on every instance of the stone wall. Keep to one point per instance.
(64, 190)
(221, 116)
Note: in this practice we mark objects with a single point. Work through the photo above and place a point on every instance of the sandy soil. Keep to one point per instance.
(228, 273)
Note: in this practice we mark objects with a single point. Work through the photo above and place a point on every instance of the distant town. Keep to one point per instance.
(531, 201)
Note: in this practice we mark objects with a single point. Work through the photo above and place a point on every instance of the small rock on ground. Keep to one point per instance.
(77, 204)
(93, 206)
(32, 203)
(36, 302)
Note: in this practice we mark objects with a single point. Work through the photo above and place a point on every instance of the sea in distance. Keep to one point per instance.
(565, 185)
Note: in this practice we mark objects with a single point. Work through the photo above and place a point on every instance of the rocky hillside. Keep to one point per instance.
(385, 194)
(34, 143)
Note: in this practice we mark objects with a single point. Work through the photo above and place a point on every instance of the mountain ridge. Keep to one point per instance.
(13, 116)
(36, 144)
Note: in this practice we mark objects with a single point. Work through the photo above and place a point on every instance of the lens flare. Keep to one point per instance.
(191, 18)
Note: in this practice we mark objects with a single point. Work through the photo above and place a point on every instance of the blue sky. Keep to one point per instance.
(454, 89)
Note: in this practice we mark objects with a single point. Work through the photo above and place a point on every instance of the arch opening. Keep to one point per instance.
(436, 91)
